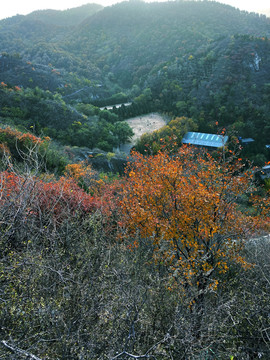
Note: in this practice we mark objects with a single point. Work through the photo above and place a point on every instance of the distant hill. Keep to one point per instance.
(201, 59)
(125, 42)
(69, 17)
(45, 27)
(132, 38)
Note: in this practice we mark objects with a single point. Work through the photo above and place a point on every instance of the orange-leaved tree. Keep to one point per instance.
(187, 207)
(83, 173)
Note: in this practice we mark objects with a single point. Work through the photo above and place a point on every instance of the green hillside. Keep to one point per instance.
(69, 17)
(132, 38)
(160, 255)
(203, 60)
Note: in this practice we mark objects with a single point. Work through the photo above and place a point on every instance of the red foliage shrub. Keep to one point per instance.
(32, 197)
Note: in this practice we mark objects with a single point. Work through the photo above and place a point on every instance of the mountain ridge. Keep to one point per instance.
(204, 60)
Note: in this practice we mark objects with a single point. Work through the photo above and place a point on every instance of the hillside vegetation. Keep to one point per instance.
(164, 255)
(203, 60)
(158, 263)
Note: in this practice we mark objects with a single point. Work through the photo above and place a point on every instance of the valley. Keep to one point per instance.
(162, 255)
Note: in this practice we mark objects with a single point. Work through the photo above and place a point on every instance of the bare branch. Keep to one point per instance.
(20, 351)
(147, 355)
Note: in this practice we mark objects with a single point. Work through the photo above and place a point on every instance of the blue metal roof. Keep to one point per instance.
(247, 140)
(202, 139)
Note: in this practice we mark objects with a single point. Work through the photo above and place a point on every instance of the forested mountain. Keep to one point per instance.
(162, 256)
(128, 39)
(69, 17)
(204, 60)
(132, 38)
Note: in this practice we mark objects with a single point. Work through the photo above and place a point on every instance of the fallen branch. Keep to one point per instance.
(19, 351)
(145, 356)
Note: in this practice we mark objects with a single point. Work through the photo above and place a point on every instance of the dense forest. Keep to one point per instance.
(161, 255)
(203, 60)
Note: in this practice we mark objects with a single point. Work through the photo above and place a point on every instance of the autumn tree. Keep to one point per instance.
(187, 208)
(82, 173)
(68, 289)
(168, 138)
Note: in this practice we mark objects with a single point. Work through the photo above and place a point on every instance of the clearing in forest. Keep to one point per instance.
(141, 125)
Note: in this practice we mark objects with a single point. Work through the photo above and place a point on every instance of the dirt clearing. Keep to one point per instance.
(141, 125)
(145, 124)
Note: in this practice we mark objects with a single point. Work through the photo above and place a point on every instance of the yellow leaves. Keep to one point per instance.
(213, 286)
(206, 267)
(133, 245)
(184, 206)
(191, 304)
(84, 176)
(77, 171)
(4, 150)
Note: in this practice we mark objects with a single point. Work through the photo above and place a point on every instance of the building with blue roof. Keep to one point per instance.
(212, 141)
